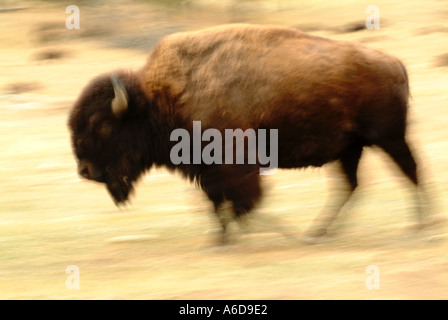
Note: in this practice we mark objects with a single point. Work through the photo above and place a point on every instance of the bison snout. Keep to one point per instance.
(88, 171)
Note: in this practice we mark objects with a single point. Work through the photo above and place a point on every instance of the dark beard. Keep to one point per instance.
(119, 187)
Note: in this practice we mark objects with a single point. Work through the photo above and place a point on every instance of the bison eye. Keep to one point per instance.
(105, 129)
(82, 145)
(79, 143)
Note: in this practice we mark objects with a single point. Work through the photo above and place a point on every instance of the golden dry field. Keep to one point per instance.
(162, 246)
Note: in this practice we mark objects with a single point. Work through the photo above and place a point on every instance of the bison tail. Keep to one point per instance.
(403, 67)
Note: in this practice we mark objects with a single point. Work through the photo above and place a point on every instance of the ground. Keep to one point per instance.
(162, 245)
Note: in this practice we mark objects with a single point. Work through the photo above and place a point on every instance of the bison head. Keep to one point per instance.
(108, 132)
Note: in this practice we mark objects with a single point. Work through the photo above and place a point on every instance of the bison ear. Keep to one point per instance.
(119, 103)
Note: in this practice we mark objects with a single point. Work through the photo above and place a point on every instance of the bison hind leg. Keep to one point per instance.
(400, 152)
(348, 161)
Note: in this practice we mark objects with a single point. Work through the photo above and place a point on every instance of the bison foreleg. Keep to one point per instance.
(222, 212)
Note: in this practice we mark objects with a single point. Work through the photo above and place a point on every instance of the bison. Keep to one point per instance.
(327, 99)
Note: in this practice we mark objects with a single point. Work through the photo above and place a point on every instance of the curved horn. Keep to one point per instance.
(119, 103)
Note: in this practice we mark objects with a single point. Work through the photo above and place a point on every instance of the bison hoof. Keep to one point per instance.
(433, 221)
(315, 236)
(223, 240)
(429, 222)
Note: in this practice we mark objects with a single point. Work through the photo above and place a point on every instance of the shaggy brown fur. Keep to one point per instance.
(328, 99)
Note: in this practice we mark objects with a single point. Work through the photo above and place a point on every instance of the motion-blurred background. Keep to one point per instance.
(161, 247)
